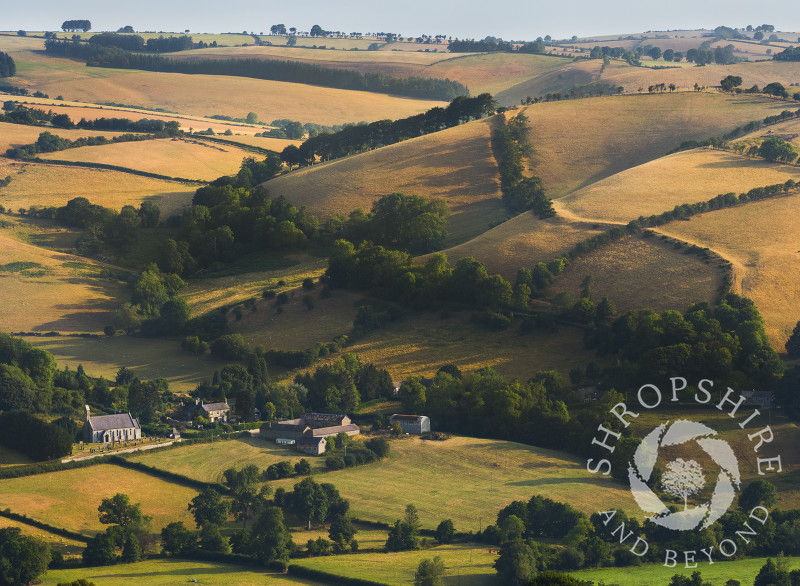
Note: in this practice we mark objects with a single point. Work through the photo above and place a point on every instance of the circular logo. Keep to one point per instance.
(683, 478)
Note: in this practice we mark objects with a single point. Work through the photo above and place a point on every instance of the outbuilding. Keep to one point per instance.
(416, 424)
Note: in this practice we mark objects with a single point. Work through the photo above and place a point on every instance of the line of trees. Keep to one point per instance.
(788, 54)
(7, 66)
(73, 26)
(520, 193)
(492, 45)
(359, 138)
(50, 143)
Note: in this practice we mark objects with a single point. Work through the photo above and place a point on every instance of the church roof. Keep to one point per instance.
(116, 421)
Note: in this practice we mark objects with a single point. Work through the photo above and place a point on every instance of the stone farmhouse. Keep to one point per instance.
(416, 424)
(110, 428)
(309, 428)
(209, 411)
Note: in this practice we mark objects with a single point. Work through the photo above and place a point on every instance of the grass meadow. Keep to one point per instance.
(419, 345)
(185, 158)
(455, 165)
(760, 238)
(67, 547)
(167, 572)
(638, 273)
(468, 480)
(70, 498)
(207, 462)
(717, 574)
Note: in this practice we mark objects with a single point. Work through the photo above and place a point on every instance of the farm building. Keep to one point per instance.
(209, 411)
(312, 445)
(110, 428)
(310, 425)
(417, 424)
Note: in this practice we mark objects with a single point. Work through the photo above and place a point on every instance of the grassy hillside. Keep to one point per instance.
(640, 273)
(62, 544)
(200, 95)
(166, 572)
(54, 185)
(16, 135)
(468, 480)
(70, 498)
(185, 158)
(654, 187)
(761, 239)
(419, 345)
(47, 290)
(456, 165)
(578, 142)
(207, 462)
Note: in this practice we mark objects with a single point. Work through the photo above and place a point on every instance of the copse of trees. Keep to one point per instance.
(23, 558)
(355, 139)
(788, 54)
(126, 42)
(73, 26)
(7, 66)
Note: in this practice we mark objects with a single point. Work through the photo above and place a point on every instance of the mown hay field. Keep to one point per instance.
(184, 158)
(47, 291)
(208, 461)
(302, 53)
(168, 571)
(205, 95)
(658, 186)
(638, 273)
(420, 345)
(69, 498)
(455, 165)
(744, 570)
(148, 358)
(578, 142)
(467, 564)
(54, 185)
(761, 238)
(469, 480)
(523, 241)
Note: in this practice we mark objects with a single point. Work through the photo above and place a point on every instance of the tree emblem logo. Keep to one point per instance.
(683, 478)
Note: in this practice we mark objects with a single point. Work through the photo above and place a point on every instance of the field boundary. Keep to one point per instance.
(242, 146)
(328, 577)
(60, 531)
(166, 475)
(106, 167)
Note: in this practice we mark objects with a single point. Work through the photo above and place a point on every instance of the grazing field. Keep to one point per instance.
(184, 158)
(289, 329)
(761, 239)
(523, 241)
(70, 498)
(638, 273)
(48, 291)
(563, 77)
(61, 544)
(148, 358)
(54, 185)
(207, 462)
(578, 142)
(419, 345)
(455, 165)
(466, 564)
(367, 537)
(167, 572)
(468, 480)
(745, 571)
(653, 187)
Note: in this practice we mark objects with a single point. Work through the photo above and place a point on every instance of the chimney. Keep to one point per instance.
(86, 412)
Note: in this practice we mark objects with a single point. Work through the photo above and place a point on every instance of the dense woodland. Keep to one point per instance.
(7, 66)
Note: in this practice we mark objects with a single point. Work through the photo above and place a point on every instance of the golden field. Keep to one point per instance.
(640, 273)
(659, 185)
(54, 185)
(579, 142)
(185, 158)
(17, 135)
(761, 239)
(456, 165)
